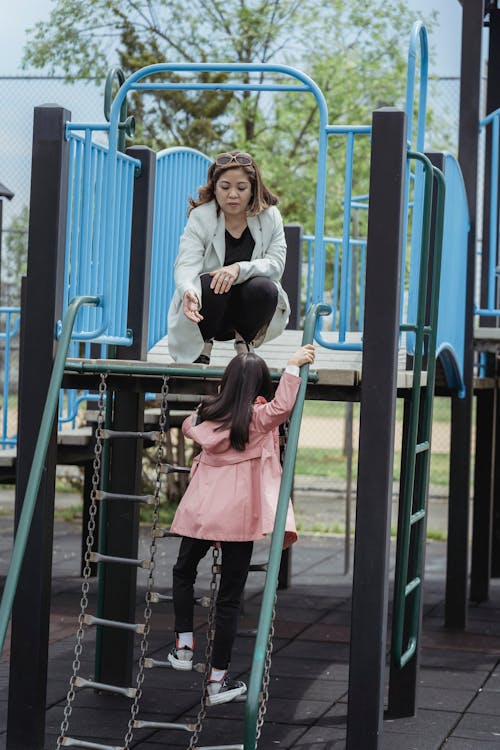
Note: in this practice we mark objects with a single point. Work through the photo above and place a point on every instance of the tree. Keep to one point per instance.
(356, 53)
(14, 258)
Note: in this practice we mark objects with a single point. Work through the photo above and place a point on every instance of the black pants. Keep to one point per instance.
(246, 308)
(235, 563)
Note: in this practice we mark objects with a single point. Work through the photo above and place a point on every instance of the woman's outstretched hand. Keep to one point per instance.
(224, 278)
(191, 306)
(303, 356)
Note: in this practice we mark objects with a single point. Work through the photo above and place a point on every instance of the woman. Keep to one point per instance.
(230, 262)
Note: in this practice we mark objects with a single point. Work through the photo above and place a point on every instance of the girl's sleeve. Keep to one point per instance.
(272, 264)
(275, 412)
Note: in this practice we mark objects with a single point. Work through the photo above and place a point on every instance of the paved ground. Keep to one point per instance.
(459, 694)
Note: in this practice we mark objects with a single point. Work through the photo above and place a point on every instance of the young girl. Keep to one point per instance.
(231, 499)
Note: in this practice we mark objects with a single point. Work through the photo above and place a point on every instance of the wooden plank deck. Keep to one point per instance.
(334, 367)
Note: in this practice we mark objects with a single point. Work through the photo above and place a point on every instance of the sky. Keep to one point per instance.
(22, 14)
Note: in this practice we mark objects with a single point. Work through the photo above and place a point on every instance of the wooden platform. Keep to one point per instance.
(334, 367)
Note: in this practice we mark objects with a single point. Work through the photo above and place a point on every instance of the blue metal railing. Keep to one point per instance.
(179, 174)
(9, 330)
(99, 220)
(491, 307)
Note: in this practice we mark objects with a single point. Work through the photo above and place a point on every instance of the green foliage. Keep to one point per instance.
(355, 53)
(14, 257)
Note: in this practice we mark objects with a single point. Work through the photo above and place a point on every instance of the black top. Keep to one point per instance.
(239, 248)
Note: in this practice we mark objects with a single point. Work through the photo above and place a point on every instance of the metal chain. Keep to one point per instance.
(96, 480)
(264, 696)
(208, 652)
(144, 645)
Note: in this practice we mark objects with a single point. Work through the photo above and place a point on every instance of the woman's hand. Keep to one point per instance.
(224, 278)
(191, 306)
(303, 356)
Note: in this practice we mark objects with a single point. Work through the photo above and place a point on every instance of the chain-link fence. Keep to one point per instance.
(327, 458)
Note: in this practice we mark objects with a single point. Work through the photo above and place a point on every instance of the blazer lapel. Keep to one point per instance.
(255, 227)
(219, 239)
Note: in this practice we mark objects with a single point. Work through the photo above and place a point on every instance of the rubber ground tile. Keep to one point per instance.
(305, 650)
(449, 699)
(477, 727)
(284, 666)
(443, 678)
(433, 725)
(455, 743)
(302, 688)
(486, 702)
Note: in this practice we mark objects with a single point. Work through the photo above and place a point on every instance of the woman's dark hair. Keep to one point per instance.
(246, 377)
(261, 197)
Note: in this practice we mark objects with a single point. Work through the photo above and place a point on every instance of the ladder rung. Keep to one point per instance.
(97, 557)
(146, 499)
(256, 567)
(421, 447)
(139, 724)
(136, 627)
(154, 435)
(156, 598)
(417, 516)
(412, 585)
(129, 692)
(163, 533)
(171, 469)
(71, 742)
(150, 663)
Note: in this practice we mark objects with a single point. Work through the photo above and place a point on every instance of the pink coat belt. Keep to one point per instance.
(215, 459)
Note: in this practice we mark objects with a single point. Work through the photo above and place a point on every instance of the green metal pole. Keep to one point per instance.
(258, 663)
(36, 471)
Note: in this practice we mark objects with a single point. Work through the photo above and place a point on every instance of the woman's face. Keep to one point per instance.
(233, 192)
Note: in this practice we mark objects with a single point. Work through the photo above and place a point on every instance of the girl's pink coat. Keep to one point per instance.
(232, 495)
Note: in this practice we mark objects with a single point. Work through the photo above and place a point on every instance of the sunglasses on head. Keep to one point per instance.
(244, 160)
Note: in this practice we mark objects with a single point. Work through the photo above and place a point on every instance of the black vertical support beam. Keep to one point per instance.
(293, 273)
(376, 443)
(495, 531)
(461, 409)
(486, 406)
(122, 519)
(42, 297)
(493, 103)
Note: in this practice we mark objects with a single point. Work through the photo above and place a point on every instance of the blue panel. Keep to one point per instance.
(179, 174)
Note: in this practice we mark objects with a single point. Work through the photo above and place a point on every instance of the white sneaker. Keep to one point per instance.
(224, 691)
(181, 658)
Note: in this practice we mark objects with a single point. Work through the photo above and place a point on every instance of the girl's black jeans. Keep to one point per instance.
(236, 558)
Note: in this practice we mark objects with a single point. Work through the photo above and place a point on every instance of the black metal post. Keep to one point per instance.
(492, 103)
(461, 409)
(486, 406)
(115, 655)
(293, 273)
(377, 424)
(41, 307)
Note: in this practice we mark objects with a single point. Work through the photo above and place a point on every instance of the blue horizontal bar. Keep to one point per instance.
(216, 87)
(362, 129)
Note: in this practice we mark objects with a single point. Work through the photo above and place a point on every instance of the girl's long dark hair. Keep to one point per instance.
(246, 377)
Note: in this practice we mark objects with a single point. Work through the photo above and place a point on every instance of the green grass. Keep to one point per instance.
(330, 462)
(337, 409)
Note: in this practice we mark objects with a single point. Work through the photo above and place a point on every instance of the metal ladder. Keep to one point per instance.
(260, 666)
(411, 537)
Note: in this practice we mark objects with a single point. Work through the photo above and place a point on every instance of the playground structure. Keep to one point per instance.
(377, 386)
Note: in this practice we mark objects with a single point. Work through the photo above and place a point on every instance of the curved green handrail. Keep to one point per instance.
(257, 671)
(35, 476)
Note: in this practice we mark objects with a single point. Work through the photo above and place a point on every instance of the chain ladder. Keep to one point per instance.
(96, 479)
(144, 644)
(208, 653)
(264, 695)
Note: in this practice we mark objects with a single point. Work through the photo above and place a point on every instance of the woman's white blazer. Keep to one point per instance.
(202, 249)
